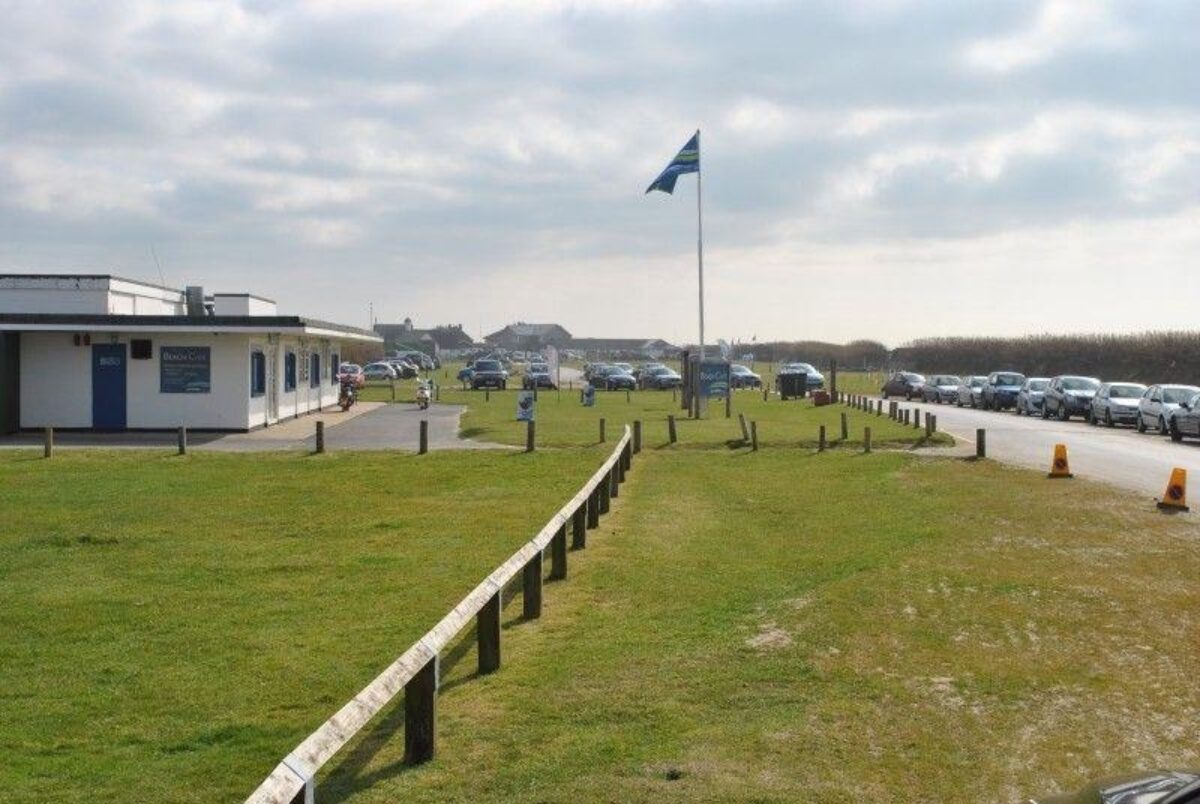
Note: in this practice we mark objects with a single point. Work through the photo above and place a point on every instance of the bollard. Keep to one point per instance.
(754, 436)
(579, 528)
(981, 443)
(933, 427)
(916, 418)
(671, 428)
(601, 429)
(742, 422)
(879, 408)
(821, 439)
(530, 434)
(845, 428)
(487, 394)
(558, 554)
(393, 390)
(904, 417)
(626, 396)
(866, 439)
(182, 440)
(320, 437)
(48, 448)
(423, 440)
(765, 392)
(487, 623)
(637, 436)
(928, 425)
(728, 403)
(420, 714)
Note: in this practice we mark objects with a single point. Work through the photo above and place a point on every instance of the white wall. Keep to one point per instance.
(93, 296)
(223, 408)
(56, 381)
(303, 398)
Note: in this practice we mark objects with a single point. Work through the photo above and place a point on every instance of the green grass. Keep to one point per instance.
(788, 627)
(173, 626)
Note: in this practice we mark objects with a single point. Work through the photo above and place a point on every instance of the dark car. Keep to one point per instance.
(661, 378)
(538, 376)
(488, 374)
(813, 379)
(1001, 389)
(742, 377)
(1147, 787)
(1032, 395)
(1068, 396)
(641, 372)
(903, 383)
(464, 373)
(1116, 402)
(970, 391)
(940, 388)
(1157, 404)
(1185, 419)
(612, 378)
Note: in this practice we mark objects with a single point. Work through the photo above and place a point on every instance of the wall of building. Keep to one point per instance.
(303, 398)
(87, 295)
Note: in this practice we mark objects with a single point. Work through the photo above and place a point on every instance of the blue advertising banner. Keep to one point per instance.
(714, 379)
(185, 369)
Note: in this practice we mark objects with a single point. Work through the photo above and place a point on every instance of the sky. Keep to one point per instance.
(880, 169)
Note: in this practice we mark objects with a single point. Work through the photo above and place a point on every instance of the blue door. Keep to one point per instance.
(108, 386)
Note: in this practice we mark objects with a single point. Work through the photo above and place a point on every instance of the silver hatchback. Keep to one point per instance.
(1116, 403)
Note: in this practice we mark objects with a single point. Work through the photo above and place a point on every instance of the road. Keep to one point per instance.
(1118, 455)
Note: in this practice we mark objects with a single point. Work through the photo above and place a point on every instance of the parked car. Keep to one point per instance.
(464, 373)
(1144, 787)
(903, 383)
(352, 373)
(488, 374)
(661, 378)
(404, 369)
(1116, 402)
(640, 372)
(742, 377)
(970, 392)
(612, 378)
(379, 371)
(814, 380)
(940, 388)
(1068, 396)
(1031, 396)
(1185, 419)
(625, 367)
(538, 376)
(1001, 389)
(1156, 405)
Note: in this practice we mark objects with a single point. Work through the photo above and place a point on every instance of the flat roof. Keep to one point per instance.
(110, 277)
(54, 322)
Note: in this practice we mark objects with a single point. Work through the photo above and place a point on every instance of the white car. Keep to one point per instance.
(379, 371)
(1158, 403)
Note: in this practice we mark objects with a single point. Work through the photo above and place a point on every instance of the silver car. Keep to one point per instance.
(1157, 404)
(970, 391)
(1116, 403)
(940, 388)
(1032, 395)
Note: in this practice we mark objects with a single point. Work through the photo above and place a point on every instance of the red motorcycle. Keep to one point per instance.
(347, 396)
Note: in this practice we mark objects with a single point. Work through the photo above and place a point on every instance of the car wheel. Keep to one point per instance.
(1175, 434)
(503, 386)
(1045, 410)
(885, 393)
(908, 395)
(1141, 423)
(1063, 413)
(1162, 425)
(1108, 422)
(958, 402)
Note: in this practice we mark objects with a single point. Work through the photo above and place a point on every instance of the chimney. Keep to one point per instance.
(194, 296)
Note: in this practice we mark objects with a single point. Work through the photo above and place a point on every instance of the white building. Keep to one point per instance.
(104, 353)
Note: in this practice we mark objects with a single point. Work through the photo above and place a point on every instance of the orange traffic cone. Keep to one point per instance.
(1059, 466)
(1175, 497)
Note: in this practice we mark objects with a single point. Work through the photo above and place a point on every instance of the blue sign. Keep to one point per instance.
(714, 378)
(185, 370)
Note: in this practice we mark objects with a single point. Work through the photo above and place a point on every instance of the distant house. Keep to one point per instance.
(404, 336)
(634, 347)
(525, 337)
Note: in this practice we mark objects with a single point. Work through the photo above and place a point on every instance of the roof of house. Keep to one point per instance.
(523, 330)
(619, 344)
(59, 322)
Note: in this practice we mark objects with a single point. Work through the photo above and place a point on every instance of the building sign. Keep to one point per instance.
(185, 370)
(714, 379)
(525, 406)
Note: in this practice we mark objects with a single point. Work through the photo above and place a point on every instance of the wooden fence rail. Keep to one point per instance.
(415, 672)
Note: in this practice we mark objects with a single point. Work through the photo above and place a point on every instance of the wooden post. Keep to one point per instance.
(981, 443)
(866, 439)
(879, 408)
(754, 436)
(530, 435)
(904, 417)
(928, 425)
(833, 389)
(420, 714)
(393, 390)
(766, 393)
(933, 427)
(487, 622)
(627, 396)
(845, 427)
(558, 555)
(593, 509)
(579, 527)
(745, 430)
(637, 436)
(423, 441)
(487, 394)
(729, 402)
(182, 439)
(48, 445)
(320, 436)
(605, 494)
(614, 481)
(531, 596)
(602, 439)
(671, 428)
(916, 418)
(821, 439)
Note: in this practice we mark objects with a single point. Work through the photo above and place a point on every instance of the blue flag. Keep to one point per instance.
(686, 161)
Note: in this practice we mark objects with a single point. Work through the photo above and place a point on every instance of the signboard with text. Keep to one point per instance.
(714, 379)
(185, 370)
(526, 405)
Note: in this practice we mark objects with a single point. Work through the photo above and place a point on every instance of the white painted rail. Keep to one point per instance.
(293, 776)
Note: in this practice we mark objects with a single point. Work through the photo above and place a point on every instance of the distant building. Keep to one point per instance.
(526, 337)
(654, 348)
(402, 336)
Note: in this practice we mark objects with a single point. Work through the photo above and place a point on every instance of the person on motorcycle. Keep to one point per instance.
(424, 395)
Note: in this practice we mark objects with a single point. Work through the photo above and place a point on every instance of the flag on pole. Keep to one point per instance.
(686, 161)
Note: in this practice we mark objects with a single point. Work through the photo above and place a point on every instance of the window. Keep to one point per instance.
(314, 372)
(258, 374)
(140, 349)
(289, 371)
(333, 367)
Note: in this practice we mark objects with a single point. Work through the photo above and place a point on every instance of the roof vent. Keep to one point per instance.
(194, 295)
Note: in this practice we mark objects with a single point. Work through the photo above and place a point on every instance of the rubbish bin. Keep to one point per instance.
(793, 386)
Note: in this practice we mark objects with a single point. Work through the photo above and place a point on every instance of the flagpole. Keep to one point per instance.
(700, 242)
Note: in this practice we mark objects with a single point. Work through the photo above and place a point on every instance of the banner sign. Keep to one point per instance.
(525, 406)
(714, 378)
(552, 363)
(185, 369)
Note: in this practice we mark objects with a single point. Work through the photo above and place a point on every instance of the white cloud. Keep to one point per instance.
(1060, 25)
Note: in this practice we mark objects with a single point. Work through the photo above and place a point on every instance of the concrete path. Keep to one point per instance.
(1120, 455)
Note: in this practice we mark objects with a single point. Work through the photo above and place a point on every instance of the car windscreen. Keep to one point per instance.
(976, 382)
(1038, 385)
(1126, 391)
(1009, 379)
(736, 369)
(914, 378)
(1079, 384)
(487, 365)
(948, 379)
(539, 368)
(1177, 395)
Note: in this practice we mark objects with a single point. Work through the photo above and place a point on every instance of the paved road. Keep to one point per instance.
(1118, 455)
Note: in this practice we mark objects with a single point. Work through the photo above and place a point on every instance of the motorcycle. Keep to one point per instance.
(423, 396)
(347, 396)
